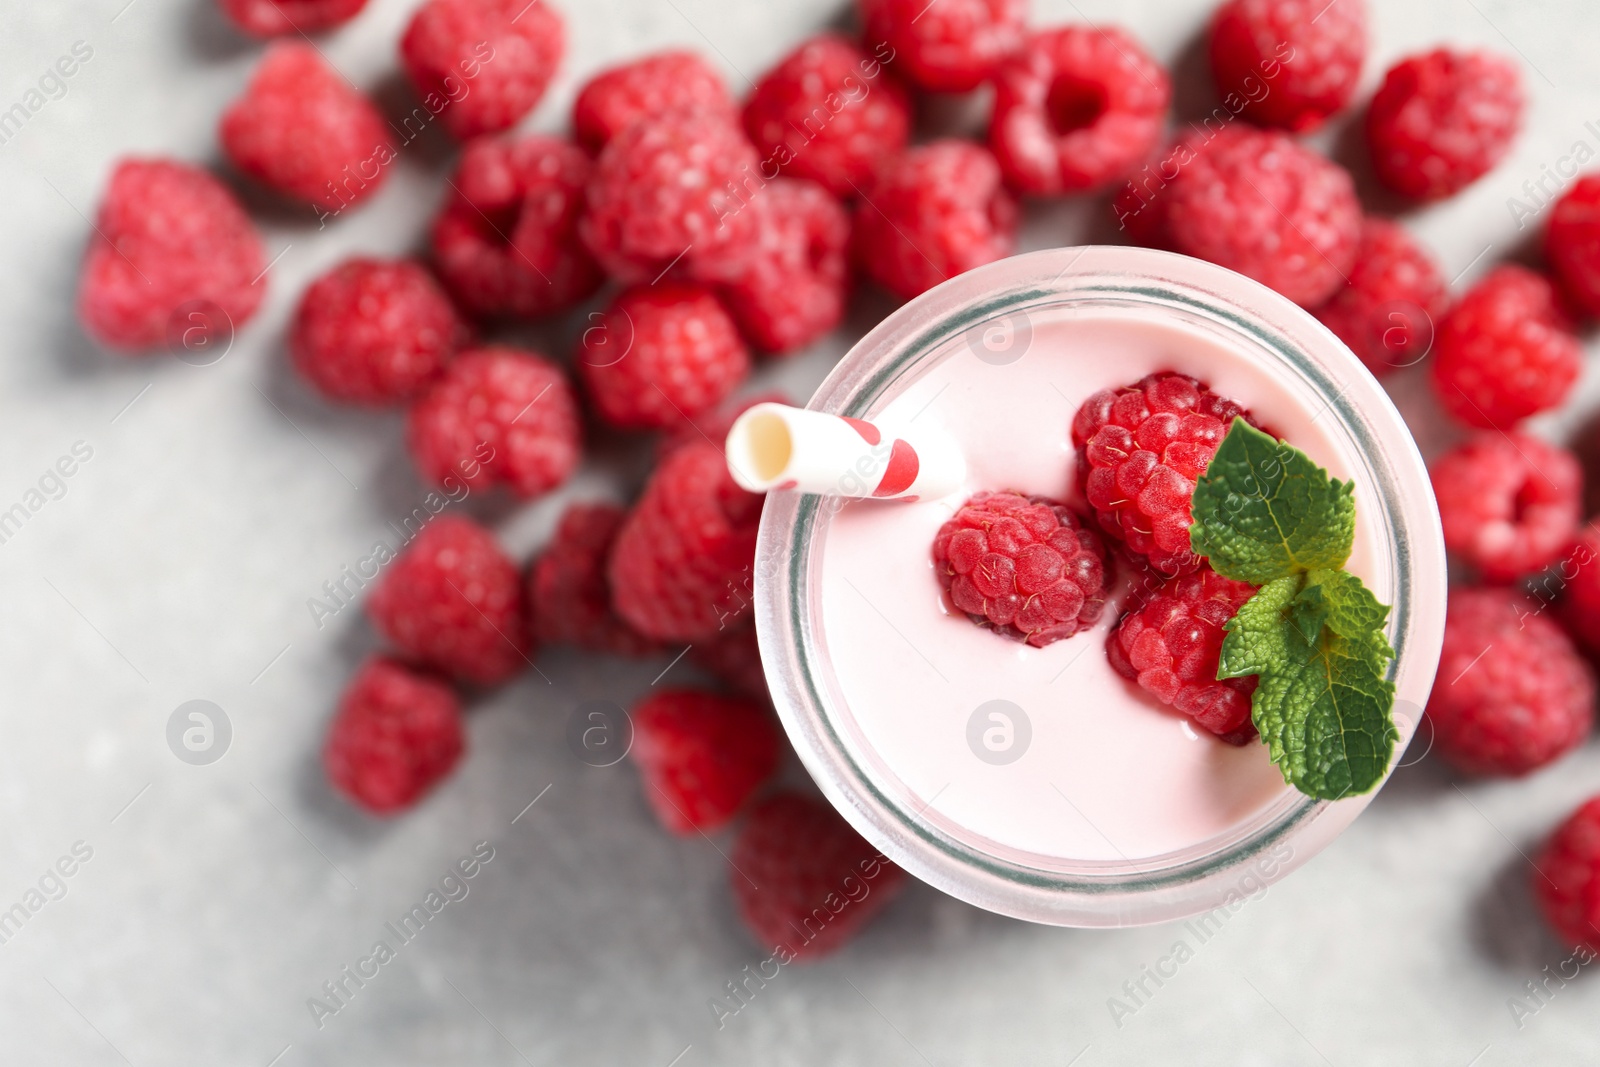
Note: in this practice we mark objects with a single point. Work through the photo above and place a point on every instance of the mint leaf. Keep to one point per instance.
(1264, 510)
(1351, 609)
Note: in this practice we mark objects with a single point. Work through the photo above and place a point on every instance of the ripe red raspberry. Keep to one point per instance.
(1024, 567)
(453, 600)
(374, 331)
(795, 288)
(1140, 203)
(1572, 243)
(1260, 203)
(734, 657)
(660, 355)
(829, 112)
(668, 195)
(1078, 108)
(506, 241)
(482, 64)
(804, 881)
(948, 47)
(1566, 878)
(498, 415)
(1388, 311)
(168, 235)
(1288, 63)
(302, 130)
(682, 568)
(935, 212)
(643, 88)
(1141, 448)
(1442, 120)
(701, 756)
(1512, 693)
(270, 18)
(1577, 581)
(1170, 643)
(397, 734)
(1505, 351)
(568, 596)
(1510, 504)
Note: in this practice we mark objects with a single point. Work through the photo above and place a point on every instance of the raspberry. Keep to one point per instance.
(454, 601)
(661, 354)
(506, 241)
(949, 47)
(1566, 878)
(396, 735)
(1024, 567)
(271, 18)
(794, 290)
(804, 881)
(682, 566)
(733, 656)
(1141, 448)
(1572, 243)
(620, 97)
(1442, 120)
(933, 213)
(1395, 295)
(1578, 579)
(1260, 203)
(1076, 109)
(1288, 63)
(701, 756)
(497, 416)
(665, 194)
(1512, 693)
(568, 597)
(1140, 206)
(168, 235)
(374, 331)
(1510, 504)
(1170, 643)
(1505, 351)
(482, 64)
(302, 130)
(829, 113)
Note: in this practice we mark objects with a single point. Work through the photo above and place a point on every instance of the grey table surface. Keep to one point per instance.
(177, 565)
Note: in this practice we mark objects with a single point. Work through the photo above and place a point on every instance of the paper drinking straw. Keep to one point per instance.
(775, 446)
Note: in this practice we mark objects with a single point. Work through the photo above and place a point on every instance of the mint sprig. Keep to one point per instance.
(1313, 634)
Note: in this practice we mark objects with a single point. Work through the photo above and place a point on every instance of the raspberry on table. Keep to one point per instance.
(1025, 567)
(1288, 63)
(396, 735)
(1389, 309)
(1442, 120)
(168, 235)
(506, 241)
(682, 568)
(701, 756)
(1577, 582)
(1141, 448)
(453, 601)
(1509, 503)
(272, 18)
(1076, 109)
(661, 354)
(829, 112)
(497, 416)
(1170, 643)
(671, 194)
(734, 657)
(1505, 351)
(949, 47)
(1512, 693)
(794, 290)
(1566, 878)
(793, 856)
(374, 331)
(624, 95)
(569, 598)
(935, 212)
(1572, 243)
(1260, 203)
(481, 65)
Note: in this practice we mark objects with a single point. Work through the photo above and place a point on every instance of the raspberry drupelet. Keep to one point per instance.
(1509, 503)
(273, 18)
(1572, 243)
(949, 47)
(701, 755)
(568, 596)
(1566, 878)
(795, 288)
(1288, 63)
(481, 65)
(396, 735)
(1025, 567)
(1389, 310)
(624, 95)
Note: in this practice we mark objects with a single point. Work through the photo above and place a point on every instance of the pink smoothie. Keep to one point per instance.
(1109, 774)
